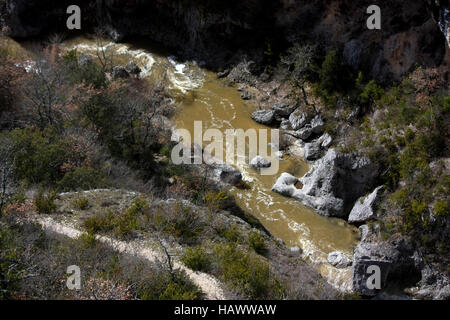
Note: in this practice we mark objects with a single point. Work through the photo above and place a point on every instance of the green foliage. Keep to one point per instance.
(196, 259)
(83, 178)
(248, 273)
(164, 287)
(214, 200)
(442, 208)
(11, 270)
(257, 243)
(329, 72)
(90, 73)
(88, 240)
(39, 155)
(121, 224)
(182, 222)
(231, 233)
(371, 92)
(44, 202)
(81, 203)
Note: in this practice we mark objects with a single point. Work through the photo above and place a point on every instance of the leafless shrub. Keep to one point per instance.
(7, 185)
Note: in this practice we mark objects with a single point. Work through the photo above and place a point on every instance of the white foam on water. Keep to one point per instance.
(184, 78)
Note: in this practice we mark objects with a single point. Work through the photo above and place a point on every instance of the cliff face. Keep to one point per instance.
(412, 31)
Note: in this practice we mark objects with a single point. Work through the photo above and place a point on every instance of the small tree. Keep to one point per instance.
(299, 61)
(104, 52)
(47, 93)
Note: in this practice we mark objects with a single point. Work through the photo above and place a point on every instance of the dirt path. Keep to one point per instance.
(208, 284)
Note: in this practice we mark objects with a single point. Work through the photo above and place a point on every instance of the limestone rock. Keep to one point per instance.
(304, 133)
(85, 59)
(285, 124)
(312, 151)
(283, 109)
(228, 175)
(363, 209)
(285, 184)
(132, 68)
(325, 140)
(245, 95)
(120, 73)
(264, 116)
(298, 119)
(333, 183)
(317, 124)
(339, 259)
(260, 162)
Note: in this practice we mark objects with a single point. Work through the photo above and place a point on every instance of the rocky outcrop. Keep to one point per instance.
(317, 124)
(282, 109)
(259, 162)
(440, 10)
(364, 207)
(333, 183)
(132, 68)
(312, 150)
(401, 266)
(339, 259)
(120, 73)
(298, 119)
(228, 175)
(264, 116)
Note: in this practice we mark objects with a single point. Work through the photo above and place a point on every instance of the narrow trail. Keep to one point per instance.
(207, 283)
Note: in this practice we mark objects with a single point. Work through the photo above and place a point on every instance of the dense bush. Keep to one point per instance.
(181, 221)
(44, 202)
(165, 287)
(81, 203)
(39, 155)
(121, 224)
(83, 178)
(247, 273)
(256, 242)
(196, 259)
(89, 73)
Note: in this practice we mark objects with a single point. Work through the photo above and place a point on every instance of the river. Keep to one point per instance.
(202, 97)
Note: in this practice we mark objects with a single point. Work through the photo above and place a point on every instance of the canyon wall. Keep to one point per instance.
(413, 32)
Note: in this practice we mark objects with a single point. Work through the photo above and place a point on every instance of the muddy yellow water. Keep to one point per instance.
(202, 97)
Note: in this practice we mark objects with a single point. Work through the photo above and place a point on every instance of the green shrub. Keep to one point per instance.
(247, 273)
(90, 74)
(99, 223)
(196, 259)
(442, 208)
(371, 92)
(87, 239)
(39, 155)
(181, 221)
(121, 224)
(44, 203)
(83, 178)
(81, 203)
(10, 271)
(256, 242)
(214, 200)
(162, 286)
(231, 233)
